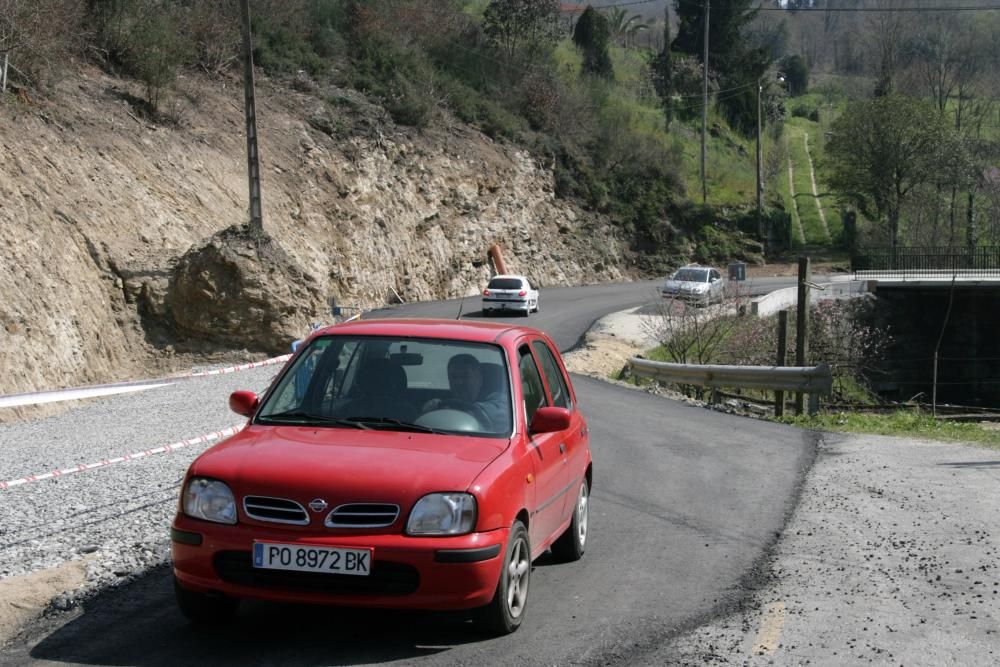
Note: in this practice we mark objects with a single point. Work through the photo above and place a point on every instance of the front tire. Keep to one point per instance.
(204, 609)
(570, 546)
(503, 615)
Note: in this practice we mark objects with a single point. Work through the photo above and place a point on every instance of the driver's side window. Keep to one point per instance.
(531, 383)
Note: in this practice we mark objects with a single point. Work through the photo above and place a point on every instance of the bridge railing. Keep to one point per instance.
(926, 262)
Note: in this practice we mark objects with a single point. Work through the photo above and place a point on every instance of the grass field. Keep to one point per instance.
(730, 164)
(808, 208)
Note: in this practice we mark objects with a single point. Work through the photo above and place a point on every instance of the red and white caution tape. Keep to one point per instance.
(76, 393)
(216, 435)
(242, 367)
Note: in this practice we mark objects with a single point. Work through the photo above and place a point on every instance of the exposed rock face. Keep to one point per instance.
(109, 254)
(239, 290)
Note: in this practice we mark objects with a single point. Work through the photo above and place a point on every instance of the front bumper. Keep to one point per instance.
(407, 572)
(689, 296)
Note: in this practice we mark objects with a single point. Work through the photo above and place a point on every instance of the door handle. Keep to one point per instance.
(562, 448)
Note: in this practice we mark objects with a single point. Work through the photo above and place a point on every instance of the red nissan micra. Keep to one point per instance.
(418, 464)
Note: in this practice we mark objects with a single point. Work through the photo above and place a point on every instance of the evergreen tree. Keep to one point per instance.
(737, 63)
(591, 37)
(796, 73)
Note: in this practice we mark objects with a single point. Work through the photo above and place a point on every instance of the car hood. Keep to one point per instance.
(346, 465)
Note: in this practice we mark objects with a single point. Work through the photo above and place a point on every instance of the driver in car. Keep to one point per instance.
(465, 381)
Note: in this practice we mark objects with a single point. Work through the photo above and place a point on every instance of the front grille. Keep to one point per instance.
(275, 510)
(362, 515)
(386, 578)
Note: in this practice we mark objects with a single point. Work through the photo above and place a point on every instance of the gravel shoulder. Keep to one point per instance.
(63, 540)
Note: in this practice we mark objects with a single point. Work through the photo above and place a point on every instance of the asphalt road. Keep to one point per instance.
(686, 504)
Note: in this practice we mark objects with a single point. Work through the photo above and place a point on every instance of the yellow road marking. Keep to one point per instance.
(769, 635)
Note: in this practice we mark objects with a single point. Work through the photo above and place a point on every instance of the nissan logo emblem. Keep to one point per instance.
(318, 505)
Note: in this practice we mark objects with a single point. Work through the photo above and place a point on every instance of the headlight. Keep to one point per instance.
(209, 499)
(443, 514)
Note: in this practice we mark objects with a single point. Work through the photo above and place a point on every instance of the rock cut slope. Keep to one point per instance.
(99, 207)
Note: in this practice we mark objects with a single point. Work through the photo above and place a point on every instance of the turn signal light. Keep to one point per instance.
(486, 292)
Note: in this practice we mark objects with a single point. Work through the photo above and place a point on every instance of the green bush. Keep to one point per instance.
(408, 105)
(806, 111)
(162, 51)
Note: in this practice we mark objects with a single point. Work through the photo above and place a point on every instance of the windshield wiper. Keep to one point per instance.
(409, 426)
(291, 416)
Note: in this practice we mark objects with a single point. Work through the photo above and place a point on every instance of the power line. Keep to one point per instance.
(880, 9)
(631, 3)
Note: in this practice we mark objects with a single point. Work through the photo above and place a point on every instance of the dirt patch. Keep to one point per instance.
(601, 356)
(24, 598)
(609, 344)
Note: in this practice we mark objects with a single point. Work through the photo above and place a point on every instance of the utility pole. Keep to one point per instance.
(6, 59)
(704, 110)
(760, 169)
(250, 107)
(760, 164)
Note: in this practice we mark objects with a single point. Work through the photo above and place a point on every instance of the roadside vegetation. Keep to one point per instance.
(842, 335)
(914, 423)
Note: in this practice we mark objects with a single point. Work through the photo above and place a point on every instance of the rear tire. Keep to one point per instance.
(570, 546)
(503, 615)
(204, 609)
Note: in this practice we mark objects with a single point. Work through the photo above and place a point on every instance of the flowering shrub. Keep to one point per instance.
(842, 334)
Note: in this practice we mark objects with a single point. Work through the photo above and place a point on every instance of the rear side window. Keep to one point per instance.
(504, 283)
(531, 383)
(550, 368)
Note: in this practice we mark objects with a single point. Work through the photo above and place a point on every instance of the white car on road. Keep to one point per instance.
(513, 294)
(699, 284)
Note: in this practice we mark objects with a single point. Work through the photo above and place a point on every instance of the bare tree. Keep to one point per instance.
(37, 36)
(693, 334)
(521, 27)
(886, 32)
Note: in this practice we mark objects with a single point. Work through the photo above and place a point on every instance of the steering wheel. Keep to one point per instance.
(469, 407)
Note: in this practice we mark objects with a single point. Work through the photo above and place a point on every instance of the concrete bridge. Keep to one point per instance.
(944, 299)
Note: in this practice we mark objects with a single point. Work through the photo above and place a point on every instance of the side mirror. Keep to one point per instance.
(550, 420)
(243, 403)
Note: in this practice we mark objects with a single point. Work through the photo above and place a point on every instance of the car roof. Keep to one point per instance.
(483, 332)
(508, 275)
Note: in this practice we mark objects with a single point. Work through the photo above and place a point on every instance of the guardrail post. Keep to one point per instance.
(779, 395)
(813, 404)
(802, 326)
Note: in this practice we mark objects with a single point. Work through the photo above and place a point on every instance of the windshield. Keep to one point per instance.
(395, 383)
(692, 275)
(505, 283)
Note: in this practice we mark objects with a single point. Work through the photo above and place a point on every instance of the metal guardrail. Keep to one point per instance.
(807, 379)
(927, 262)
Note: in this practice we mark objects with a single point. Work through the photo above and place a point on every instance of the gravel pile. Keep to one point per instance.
(117, 517)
